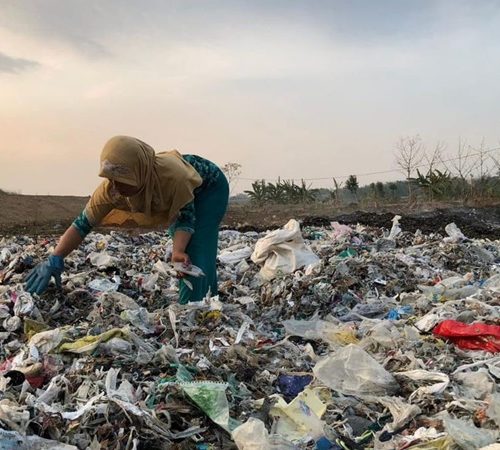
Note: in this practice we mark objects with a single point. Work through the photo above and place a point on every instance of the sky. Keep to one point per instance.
(297, 89)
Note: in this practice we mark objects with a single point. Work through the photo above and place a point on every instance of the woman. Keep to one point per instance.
(188, 192)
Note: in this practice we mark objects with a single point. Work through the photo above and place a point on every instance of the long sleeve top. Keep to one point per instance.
(208, 171)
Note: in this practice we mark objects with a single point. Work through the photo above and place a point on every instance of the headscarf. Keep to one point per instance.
(165, 180)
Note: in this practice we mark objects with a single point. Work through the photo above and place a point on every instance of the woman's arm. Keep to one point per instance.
(70, 240)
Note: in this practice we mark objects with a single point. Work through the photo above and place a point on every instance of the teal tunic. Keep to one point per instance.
(201, 217)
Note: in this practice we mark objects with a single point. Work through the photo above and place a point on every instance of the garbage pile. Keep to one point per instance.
(331, 338)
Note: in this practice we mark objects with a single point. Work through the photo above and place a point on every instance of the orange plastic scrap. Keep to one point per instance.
(477, 336)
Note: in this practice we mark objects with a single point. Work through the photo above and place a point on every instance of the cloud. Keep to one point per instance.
(16, 65)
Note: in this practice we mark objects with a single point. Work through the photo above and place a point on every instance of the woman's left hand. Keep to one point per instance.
(181, 257)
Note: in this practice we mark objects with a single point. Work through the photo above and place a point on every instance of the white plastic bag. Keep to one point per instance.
(283, 251)
(235, 256)
(454, 233)
(395, 229)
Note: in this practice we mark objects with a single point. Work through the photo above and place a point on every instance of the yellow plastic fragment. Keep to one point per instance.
(88, 344)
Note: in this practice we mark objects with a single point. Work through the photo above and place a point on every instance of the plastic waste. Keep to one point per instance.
(341, 232)
(440, 381)
(395, 229)
(139, 318)
(192, 270)
(401, 411)
(12, 440)
(299, 420)
(291, 385)
(494, 409)
(348, 253)
(104, 285)
(321, 330)
(467, 435)
(211, 399)
(475, 385)
(477, 336)
(398, 313)
(232, 257)
(454, 233)
(102, 260)
(283, 251)
(352, 371)
(252, 435)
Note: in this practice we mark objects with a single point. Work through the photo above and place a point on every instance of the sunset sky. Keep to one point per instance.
(286, 88)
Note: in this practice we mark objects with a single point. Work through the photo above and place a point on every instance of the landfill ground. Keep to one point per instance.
(34, 215)
(386, 336)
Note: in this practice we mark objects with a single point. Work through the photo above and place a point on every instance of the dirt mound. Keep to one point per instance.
(45, 214)
(474, 223)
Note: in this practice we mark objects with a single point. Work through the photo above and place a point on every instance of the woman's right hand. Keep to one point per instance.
(184, 259)
(38, 279)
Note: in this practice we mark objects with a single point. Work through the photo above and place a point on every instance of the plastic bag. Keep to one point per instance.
(476, 385)
(252, 435)
(467, 435)
(352, 371)
(102, 260)
(299, 420)
(194, 271)
(104, 285)
(440, 381)
(139, 318)
(234, 256)
(401, 412)
(211, 399)
(396, 229)
(321, 330)
(283, 251)
(454, 233)
(292, 384)
(341, 232)
(477, 336)
(494, 409)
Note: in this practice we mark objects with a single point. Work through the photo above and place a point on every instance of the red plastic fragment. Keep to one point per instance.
(476, 336)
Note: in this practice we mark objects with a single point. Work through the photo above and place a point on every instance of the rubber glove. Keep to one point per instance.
(38, 279)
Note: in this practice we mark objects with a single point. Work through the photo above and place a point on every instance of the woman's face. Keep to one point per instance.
(127, 190)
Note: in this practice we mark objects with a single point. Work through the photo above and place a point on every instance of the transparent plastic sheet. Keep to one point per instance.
(211, 399)
(11, 440)
(493, 410)
(252, 435)
(352, 371)
(329, 332)
(467, 435)
(300, 420)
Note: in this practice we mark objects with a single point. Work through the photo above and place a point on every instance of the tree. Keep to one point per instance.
(338, 186)
(352, 184)
(232, 171)
(409, 156)
(393, 187)
(258, 194)
(379, 187)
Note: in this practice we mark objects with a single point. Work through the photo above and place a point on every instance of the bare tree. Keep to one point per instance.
(232, 171)
(461, 166)
(409, 156)
(436, 156)
(338, 186)
(484, 165)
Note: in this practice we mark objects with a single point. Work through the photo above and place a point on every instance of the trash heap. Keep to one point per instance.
(330, 338)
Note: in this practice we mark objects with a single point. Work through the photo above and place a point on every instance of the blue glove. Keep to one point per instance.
(38, 279)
